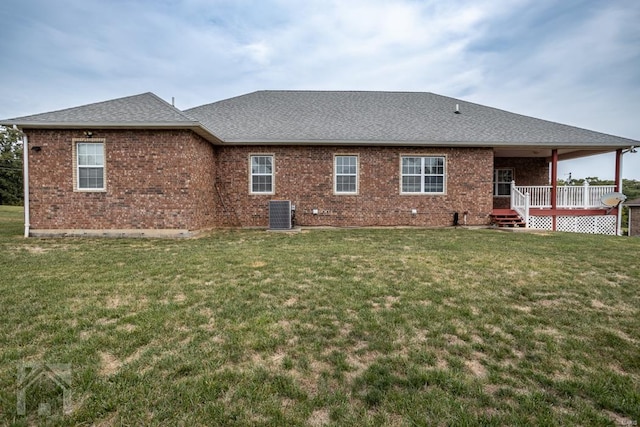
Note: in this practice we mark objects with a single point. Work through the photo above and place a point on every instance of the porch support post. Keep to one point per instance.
(554, 186)
(619, 189)
(619, 170)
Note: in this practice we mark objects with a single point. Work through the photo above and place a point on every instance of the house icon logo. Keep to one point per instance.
(32, 375)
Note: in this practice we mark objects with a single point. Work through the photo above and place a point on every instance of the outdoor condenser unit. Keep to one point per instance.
(280, 215)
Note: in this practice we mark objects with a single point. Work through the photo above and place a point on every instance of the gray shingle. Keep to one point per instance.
(145, 108)
(288, 116)
(332, 117)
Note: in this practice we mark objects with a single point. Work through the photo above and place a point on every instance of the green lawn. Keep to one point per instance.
(324, 327)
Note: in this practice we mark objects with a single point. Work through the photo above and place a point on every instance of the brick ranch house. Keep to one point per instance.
(139, 166)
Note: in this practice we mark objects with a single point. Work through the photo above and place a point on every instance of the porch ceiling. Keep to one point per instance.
(563, 153)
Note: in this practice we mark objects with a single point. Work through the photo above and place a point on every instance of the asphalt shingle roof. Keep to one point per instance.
(145, 108)
(382, 117)
(332, 117)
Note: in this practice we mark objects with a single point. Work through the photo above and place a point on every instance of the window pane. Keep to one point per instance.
(261, 184)
(346, 184)
(91, 178)
(434, 165)
(90, 154)
(346, 165)
(261, 164)
(504, 189)
(505, 175)
(410, 184)
(411, 165)
(433, 184)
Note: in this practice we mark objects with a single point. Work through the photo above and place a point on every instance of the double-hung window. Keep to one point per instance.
(424, 174)
(502, 182)
(90, 168)
(261, 174)
(346, 174)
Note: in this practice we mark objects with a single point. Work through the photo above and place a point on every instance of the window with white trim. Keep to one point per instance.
(346, 174)
(425, 174)
(90, 165)
(502, 181)
(261, 174)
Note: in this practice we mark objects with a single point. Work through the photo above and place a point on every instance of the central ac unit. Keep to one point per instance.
(280, 215)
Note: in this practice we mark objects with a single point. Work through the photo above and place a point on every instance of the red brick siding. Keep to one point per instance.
(304, 175)
(174, 179)
(634, 220)
(154, 180)
(526, 170)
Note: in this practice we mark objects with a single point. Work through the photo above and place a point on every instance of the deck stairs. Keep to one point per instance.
(507, 218)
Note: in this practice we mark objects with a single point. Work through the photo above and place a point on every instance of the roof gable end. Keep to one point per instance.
(146, 108)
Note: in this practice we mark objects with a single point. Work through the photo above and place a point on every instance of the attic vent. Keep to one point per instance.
(279, 214)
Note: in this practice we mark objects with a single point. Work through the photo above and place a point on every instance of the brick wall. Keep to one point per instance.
(304, 175)
(172, 179)
(155, 179)
(527, 171)
(634, 221)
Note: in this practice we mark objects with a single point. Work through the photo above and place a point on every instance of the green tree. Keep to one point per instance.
(11, 192)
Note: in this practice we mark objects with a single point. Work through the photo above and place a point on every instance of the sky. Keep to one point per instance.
(575, 62)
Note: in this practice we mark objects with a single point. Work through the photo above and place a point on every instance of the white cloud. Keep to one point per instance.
(574, 62)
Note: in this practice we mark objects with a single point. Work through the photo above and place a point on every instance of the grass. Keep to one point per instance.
(324, 327)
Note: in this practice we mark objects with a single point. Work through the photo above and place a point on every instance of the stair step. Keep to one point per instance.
(507, 219)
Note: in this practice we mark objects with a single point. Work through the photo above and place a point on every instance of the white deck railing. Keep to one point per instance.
(520, 203)
(567, 197)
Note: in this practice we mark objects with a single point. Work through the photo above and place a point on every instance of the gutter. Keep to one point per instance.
(25, 178)
(194, 126)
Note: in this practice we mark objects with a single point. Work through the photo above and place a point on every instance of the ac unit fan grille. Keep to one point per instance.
(279, 214)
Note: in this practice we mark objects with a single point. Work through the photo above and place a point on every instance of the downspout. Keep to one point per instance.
(25, 178)
(619, 154)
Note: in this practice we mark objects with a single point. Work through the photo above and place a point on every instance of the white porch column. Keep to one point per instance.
(513, 189)
(585, 195)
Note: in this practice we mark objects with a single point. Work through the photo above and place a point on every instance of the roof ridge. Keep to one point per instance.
(166, 103)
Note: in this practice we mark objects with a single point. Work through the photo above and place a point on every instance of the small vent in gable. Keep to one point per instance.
(279, 214)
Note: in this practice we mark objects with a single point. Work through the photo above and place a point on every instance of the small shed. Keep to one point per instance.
(634, 217)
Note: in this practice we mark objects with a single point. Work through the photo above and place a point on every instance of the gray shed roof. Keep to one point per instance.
(634, 202)
(383, 117)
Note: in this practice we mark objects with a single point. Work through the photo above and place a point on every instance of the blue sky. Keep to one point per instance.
(573, 61)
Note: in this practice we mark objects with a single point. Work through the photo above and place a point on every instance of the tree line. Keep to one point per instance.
(11, 191)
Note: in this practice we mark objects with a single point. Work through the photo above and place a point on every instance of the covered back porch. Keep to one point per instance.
(549, 206)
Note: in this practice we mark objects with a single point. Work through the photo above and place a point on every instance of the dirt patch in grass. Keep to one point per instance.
(522, 308)
(291, 302)
(109, 364)
(127, 327)
(453, 340)
(476, 367)
(318, 418)
(620, 420)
